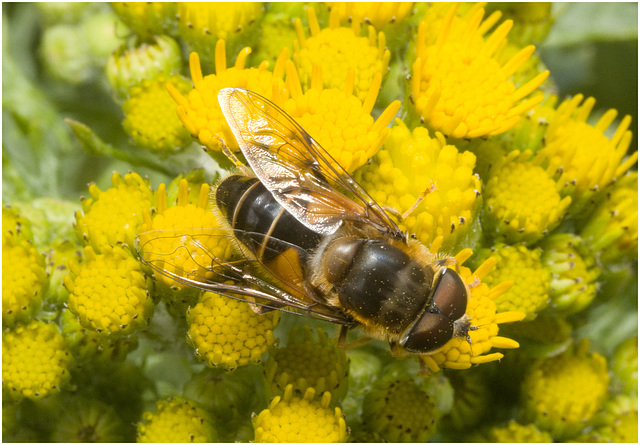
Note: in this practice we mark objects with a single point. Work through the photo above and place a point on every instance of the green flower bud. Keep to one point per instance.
(306, 362)
(87, 420)
(400, 411)
(66, 54)
(573, 272)
(127, 67)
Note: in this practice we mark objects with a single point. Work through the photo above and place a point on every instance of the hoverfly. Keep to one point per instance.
(313, 242)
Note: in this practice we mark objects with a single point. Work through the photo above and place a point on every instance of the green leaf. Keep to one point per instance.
(97, 147)
(578, 23)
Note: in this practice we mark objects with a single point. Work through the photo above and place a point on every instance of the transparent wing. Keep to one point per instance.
(184, 255)
(301, 175)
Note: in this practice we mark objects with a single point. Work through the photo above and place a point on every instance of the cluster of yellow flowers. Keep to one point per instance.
(445, 122)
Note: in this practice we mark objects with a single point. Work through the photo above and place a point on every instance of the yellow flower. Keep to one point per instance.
(306, 362)
(229, 333)
(176, 420)
(457, 85)
(522, 199)
(34, 360)
(460, 353)
(514, 432)
(612, 229)
(573, 272)
(341, 54)
(113, 216)
(339, 121)
(291, 418)
(407, 166)
(201, 25)
(200, 111)
(400, 411)
(147, 19)
(127, 67)
(523, 267)
(183, 239)
(586, 159)
(108, 292)
(377, 14)
(24, 282)
(150, 116)
(562, 394)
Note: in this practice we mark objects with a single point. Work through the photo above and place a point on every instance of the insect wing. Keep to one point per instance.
(183, 255)
(301, 175)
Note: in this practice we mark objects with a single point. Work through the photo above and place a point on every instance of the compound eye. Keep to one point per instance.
(431, 332)
(451, 295)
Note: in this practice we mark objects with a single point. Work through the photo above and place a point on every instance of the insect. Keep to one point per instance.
(313, 242)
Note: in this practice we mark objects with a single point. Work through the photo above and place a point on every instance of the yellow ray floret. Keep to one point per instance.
(459, 88)
(300, 419)
(586, 158)
(200, 111)
(462, 353)
(183, 240)
(338, 120)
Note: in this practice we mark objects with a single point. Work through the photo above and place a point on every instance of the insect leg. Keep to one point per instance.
(357, 343)
(232, 157)
(430, 188)
(402, 216)
(342, 338)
